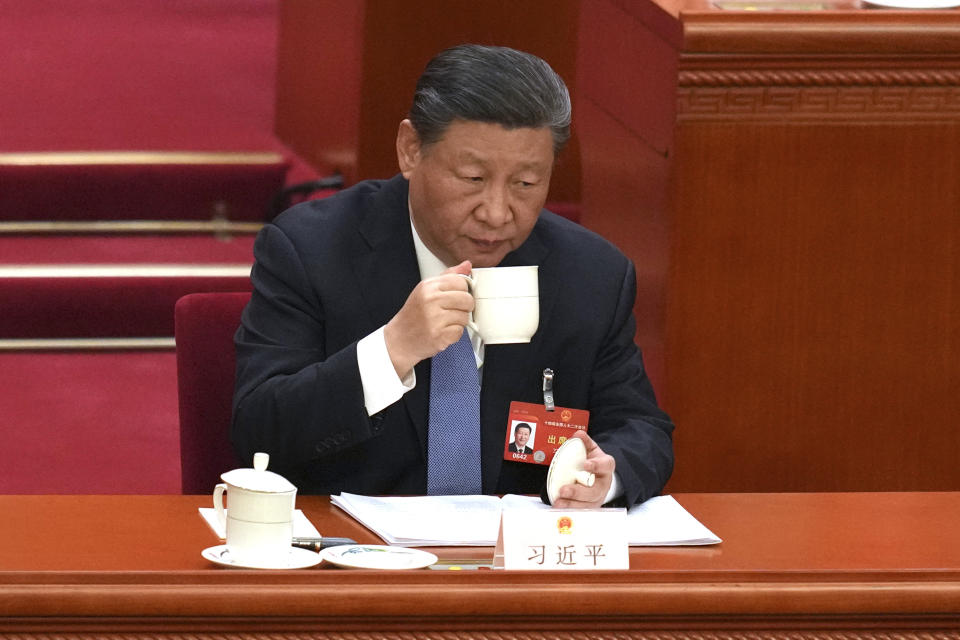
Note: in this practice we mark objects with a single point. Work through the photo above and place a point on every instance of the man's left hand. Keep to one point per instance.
(578, 496)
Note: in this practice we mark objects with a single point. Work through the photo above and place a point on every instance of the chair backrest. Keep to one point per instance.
(204, 324)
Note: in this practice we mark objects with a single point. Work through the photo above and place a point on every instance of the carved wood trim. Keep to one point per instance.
(820, 77)
(820, 102)
(720, 634)
(853, 32)
(798, 92)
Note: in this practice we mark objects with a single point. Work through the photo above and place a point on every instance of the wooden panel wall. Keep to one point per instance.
(812, 238)
(814, 297)
(347, 71)
(626, 111)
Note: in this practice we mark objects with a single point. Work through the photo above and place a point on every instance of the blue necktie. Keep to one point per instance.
(453, 441)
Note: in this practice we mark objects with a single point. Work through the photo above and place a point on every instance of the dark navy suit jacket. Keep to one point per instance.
(329, 272)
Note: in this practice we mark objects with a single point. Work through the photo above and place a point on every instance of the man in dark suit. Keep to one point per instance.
(521, 435)
(353, 296)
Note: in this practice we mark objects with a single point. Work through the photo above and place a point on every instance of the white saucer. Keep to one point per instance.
(377, 556)
(296, 559)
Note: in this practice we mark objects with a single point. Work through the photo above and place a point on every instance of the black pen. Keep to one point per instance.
(316, 544)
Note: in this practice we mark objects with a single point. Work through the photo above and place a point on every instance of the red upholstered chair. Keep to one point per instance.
(204, 328)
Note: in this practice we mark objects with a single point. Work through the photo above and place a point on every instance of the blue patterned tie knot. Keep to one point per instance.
(453, 441)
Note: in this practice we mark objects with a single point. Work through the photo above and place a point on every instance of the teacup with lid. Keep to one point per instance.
(259, 516)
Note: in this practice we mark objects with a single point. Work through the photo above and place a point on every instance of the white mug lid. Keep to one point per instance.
(258, 478)
(567, 468)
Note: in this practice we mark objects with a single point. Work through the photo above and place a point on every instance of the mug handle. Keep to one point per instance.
(470, 284)
(218, 504)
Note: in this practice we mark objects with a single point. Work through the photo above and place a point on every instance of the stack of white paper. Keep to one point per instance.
(302, 528)
(425, 521)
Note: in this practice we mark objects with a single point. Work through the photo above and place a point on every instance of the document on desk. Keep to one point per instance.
(440, 521)
(302, 528)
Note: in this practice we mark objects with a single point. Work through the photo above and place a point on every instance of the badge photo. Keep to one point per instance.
(534, 433)
(522, 441)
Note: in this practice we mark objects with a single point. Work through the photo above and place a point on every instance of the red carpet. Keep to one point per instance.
(89, 422)
(138, 74)
(113, 249)
(117, 75)
(137, 186)
(103, 307)
(57, 300)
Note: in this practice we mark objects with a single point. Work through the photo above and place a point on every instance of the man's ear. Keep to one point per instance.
(408, 148)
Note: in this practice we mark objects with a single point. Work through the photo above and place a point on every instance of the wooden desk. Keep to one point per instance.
(837, 565)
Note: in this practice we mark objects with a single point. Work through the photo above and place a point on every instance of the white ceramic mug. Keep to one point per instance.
(259, 517)
(507, 303)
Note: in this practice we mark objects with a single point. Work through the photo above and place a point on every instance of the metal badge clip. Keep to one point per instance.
(548, 389)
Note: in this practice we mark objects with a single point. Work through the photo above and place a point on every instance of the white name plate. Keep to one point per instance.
(562, 539)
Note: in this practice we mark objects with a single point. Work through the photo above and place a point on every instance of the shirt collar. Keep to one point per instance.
(430, 265)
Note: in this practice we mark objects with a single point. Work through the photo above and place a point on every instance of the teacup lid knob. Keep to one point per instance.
(258, 478)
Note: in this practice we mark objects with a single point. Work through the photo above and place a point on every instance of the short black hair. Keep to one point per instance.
(523, 425)
(497, 85)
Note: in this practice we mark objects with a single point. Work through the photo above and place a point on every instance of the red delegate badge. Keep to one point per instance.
(534, 434)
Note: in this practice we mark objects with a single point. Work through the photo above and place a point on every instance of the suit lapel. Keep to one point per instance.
(386, 262)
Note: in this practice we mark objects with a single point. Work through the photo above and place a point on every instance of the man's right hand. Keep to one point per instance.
(432, 318)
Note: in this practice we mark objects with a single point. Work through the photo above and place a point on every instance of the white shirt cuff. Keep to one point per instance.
(381, 384)
(616, 490)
